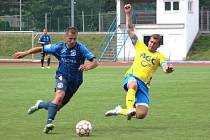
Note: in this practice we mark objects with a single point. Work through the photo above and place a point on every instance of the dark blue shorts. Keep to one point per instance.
(68, 86)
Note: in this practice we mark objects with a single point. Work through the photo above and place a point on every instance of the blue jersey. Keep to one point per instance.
(46, 39)
(69, 59)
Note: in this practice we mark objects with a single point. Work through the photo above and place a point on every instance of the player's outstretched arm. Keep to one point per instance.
(25, 53)
(89, 65)
(128, 18)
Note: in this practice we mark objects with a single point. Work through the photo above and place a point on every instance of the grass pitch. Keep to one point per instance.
(179, 107)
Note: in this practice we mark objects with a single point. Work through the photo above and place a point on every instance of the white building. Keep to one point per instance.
(177, 21)
(14, 21)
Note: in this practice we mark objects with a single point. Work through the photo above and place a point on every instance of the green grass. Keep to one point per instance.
(23, 42)
(200, 49)
(179, 107)
(92, 41)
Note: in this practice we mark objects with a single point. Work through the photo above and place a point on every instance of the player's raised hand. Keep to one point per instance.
(19, 55)
(128, 8)
(169, 68)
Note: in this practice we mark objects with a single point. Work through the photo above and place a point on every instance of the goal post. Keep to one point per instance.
(13, 41)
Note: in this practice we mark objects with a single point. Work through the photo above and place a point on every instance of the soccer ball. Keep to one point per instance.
(83, 128)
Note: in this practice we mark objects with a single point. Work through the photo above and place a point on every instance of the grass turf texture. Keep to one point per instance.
(200, 49)
(179, 107)
(23, 42)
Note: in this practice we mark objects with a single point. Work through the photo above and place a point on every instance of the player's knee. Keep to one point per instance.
(58, 98)
(132, 84)
(141, 114)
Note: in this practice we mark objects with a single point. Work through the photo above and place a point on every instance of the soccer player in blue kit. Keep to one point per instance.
(45, 39)
(69, 75)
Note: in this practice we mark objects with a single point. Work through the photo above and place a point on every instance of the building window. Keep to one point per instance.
(146, 40)
(167, 6)
(171, 5)
(176, 5)
(190, 5)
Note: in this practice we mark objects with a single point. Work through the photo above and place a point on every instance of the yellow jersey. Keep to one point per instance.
(145, 62)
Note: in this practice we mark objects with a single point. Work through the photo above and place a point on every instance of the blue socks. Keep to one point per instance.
(52, 111)
(43, 105)
(48, 62)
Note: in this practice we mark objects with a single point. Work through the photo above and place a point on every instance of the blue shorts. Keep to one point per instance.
(68, 86)
(142, 94)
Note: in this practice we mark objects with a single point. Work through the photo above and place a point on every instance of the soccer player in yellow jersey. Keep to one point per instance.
(138, 76)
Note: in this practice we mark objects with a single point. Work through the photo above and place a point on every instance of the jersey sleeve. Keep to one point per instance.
(135, 40)
(162, 60)
(50, 48)
(86, 53)
(138, 44)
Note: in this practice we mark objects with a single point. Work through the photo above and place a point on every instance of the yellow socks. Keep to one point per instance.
(123, 112)
(130, 98)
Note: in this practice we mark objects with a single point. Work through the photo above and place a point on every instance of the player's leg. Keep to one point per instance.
(53, 106)
(130, 97)
(35, 107)
(42, 60)
(52, 110)
(61, 99)
(141, 111)
(66, 99)
(38, 105)
(71, 90)
(48, 60)
(142, 105)
(130, 85)
(142, 101)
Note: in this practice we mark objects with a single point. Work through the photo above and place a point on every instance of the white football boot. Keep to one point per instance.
(114, 112)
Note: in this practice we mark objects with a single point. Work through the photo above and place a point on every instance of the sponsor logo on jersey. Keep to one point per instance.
(73, 53)
(147, 60)
(60, 78)
(66, 60)
(60, 85)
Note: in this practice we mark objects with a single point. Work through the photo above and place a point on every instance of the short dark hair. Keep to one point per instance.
(72, 30)
(128, 2)
(157, 37)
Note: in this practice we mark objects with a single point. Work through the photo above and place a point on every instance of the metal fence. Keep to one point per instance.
(204, 19)
(98, 22)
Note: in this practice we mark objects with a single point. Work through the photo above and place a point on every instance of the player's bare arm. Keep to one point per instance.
(25, 53)
(89, 65)
(128, 17)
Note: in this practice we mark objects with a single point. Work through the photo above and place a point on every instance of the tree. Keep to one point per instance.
(204, 3)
